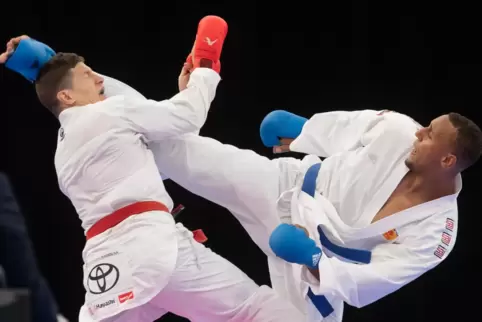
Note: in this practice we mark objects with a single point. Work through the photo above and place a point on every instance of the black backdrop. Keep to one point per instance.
(305, 57)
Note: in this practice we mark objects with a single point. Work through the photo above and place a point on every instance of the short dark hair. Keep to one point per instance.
(53, 77)
(468, 143)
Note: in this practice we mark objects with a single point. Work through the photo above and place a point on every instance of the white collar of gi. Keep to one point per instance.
(65, 115)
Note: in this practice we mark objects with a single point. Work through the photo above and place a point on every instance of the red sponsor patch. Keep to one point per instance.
(440, 251)
(446, 238)
(449, 224)
(126, 296)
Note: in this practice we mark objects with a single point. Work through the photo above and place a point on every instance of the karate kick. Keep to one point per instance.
(139, 264)
(377, 213)
(381, 209)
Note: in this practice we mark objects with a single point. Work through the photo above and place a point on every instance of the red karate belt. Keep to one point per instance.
(136, 208)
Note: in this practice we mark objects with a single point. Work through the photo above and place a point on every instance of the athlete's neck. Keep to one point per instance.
(431, 186)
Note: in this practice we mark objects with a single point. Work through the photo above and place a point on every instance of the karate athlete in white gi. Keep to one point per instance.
(137, 267)
(381, 209)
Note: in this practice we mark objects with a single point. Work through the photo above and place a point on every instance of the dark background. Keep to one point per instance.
(307, 57)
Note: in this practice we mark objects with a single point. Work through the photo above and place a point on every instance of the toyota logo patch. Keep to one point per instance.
(102, 278)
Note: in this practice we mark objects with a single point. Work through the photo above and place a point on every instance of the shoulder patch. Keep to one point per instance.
(391, 235)
(449, 224)
(440, 251)
(446, 238)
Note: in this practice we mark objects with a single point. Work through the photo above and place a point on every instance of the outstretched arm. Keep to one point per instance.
(391, 265)
(186, 112)
(113, 87)
(324, 134)
(329, 133)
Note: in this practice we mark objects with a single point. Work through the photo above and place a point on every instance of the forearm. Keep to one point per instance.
(355, 283)
(328, 133)
(184, 113)
(194, 102)
(333, 277)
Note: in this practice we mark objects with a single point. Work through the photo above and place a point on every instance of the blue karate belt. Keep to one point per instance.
(354, 255)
